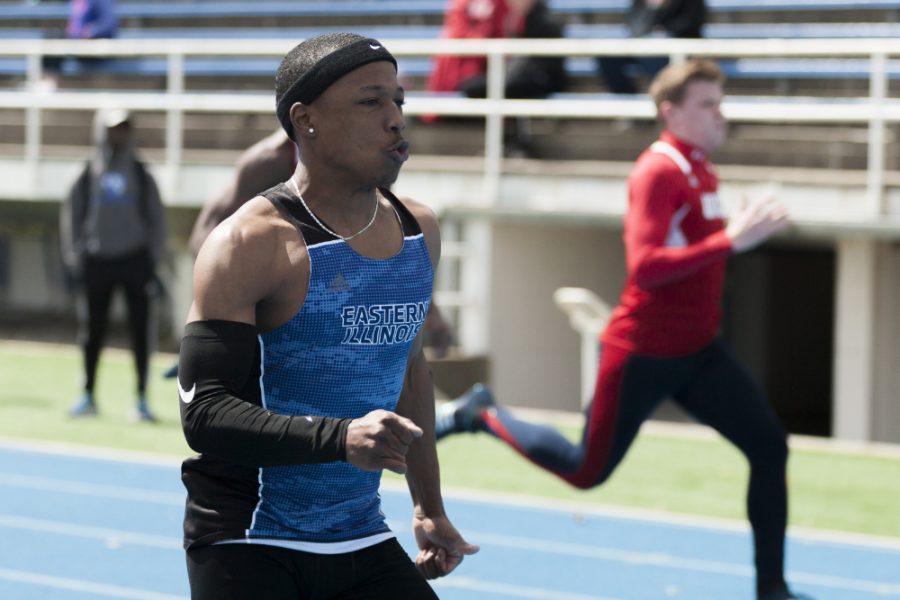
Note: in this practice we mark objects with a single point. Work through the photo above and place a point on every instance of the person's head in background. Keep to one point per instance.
(688, 99)
(113, 128)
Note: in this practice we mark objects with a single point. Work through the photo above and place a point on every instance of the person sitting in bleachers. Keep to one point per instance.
(646, 18)
(526, 76)
(88, 20)
(476, 19)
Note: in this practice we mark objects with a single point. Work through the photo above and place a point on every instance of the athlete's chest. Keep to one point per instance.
(345, 282)
(694, 189)
(702, 193)
(343, 291)
(696, 207)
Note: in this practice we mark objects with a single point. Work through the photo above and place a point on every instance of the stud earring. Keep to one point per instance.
(311, 130)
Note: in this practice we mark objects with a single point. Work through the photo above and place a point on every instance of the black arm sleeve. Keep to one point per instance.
(221, 408)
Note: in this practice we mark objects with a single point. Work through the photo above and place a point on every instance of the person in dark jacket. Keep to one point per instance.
(112, 230)
(651, 18)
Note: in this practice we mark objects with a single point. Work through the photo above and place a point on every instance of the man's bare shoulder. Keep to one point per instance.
(248, 239)
(244, 261)
(255, 222)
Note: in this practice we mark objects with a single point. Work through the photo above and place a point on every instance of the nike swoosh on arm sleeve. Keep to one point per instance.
(217, 357)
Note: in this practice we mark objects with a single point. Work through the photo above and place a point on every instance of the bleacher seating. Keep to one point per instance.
(143, 9)
(415, 19)
(571, 30)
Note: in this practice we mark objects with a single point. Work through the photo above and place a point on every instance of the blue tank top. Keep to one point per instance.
(344, 354)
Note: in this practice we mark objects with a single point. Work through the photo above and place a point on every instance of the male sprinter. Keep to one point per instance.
(301, 369)
(661, 340)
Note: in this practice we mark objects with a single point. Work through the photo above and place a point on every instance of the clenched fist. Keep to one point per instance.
(380, 440)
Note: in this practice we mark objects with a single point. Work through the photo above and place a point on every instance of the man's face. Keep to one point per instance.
(359, 124)
(698, 118)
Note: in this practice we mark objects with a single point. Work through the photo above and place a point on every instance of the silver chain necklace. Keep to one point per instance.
(347, 238)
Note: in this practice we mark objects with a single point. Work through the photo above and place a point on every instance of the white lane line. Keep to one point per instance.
(516, 591)
(558, 506)
(117, 537)
(885, 589)
(67, 449)
(662, 560)
(177, 499)
(79, 585)
(115, 492)
(488, 497)
(112, 537)
(674, 562)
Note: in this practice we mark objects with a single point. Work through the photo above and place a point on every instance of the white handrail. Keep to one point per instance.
(875, 109)
(588, 315)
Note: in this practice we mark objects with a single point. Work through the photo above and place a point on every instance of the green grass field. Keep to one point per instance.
(830, 490)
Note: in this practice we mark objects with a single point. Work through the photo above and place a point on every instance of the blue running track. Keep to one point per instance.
(77, 526)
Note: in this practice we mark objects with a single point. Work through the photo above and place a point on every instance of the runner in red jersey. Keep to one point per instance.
(661, 341)
(676, 252)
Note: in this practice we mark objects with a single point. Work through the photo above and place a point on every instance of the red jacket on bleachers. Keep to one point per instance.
(471, 19)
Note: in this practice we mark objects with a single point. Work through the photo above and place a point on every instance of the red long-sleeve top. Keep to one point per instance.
(676, 250)
(471, 19)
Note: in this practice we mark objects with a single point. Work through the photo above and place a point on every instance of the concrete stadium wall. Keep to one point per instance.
(535, 353)
(886, 413)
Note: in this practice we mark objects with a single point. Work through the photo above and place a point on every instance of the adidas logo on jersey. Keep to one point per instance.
(339, 284)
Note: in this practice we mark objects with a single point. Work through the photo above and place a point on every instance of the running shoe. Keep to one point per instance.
(171, 372)
(463, 414)
(84, 407)
(142, 413)
(783, 594)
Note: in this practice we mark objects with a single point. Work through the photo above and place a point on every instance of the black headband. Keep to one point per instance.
(326, 71)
